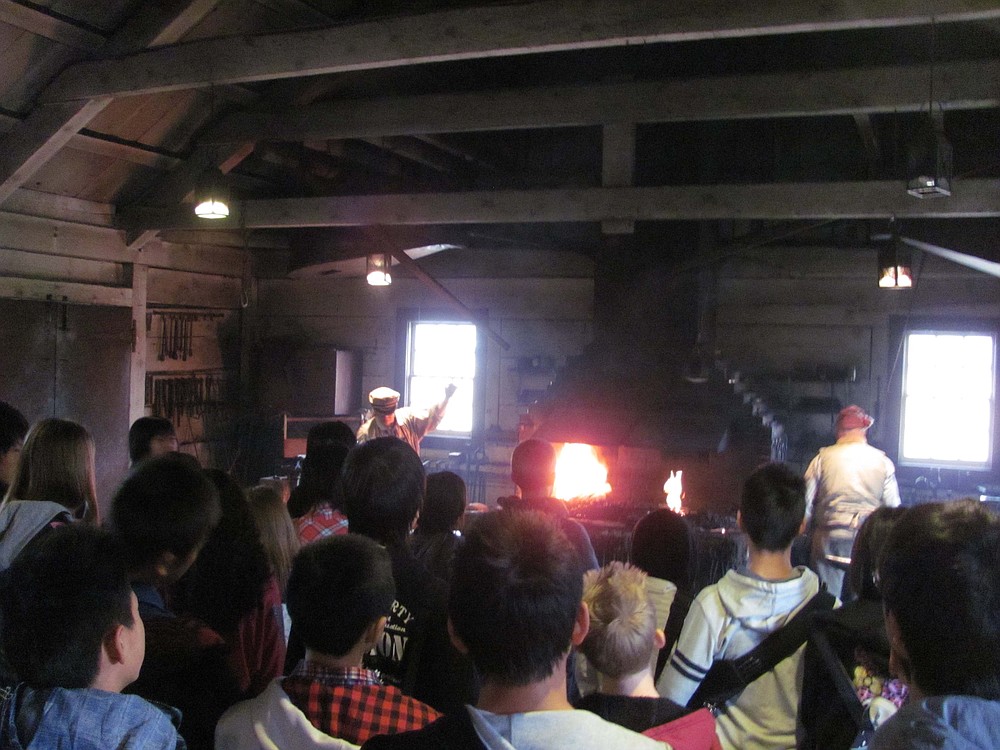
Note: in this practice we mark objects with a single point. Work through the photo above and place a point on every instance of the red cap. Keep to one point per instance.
(854, 418)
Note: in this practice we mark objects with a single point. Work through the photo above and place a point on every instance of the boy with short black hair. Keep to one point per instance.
(163, 513)
(516, 608)
(383, 485)
(940, 581)
(72, 632)
(729, 619)
(339, 593)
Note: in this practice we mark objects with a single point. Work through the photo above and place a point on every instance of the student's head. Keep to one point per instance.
(772, 507)
(865, 553)
(57, 464)
(444, 502)
(623, 637)
(149, 437)
(533, 467)
(383, 484)
(940, 580)
(232, 560)
(277, 532)
(340, 590)
(13, 428)
(326, 433)
(320, 480)
(662, 544)
(164, 512)
(70, 617)
(515, 601)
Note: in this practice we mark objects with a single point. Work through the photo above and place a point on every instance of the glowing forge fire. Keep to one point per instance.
(674, 491)
(580, 473)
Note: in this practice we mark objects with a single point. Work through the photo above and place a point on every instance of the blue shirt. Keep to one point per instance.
(84, 719)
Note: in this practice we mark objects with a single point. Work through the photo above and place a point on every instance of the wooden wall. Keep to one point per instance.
(811, 324)
(88, 266)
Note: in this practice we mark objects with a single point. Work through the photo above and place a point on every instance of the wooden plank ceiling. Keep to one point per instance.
(548, 121)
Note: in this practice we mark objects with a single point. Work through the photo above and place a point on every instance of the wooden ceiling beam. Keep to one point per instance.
(490, 31)
(779, 201)
(51, 26)
(33, 141)
(961, 85)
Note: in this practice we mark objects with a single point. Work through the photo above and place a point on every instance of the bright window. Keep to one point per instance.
(440, 353)
(949, 394)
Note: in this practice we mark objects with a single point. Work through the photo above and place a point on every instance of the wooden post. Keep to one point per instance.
(137, 369)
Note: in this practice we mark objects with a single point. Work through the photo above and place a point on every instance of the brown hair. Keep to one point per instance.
(57, 464)
(277, 532)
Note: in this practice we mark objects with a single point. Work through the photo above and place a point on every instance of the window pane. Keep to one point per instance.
(948, 398)
(443, 353)
(444, 349)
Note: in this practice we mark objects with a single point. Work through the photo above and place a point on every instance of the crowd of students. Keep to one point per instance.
(372, 610)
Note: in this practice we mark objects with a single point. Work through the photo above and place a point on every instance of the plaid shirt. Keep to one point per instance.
(352, 704)
(320, 522)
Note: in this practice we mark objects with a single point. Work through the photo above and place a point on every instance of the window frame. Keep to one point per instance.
(944, 327)
(405, 319)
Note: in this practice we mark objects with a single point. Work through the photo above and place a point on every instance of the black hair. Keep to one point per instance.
(868, 545)
(338, 587)
(59, 599)
(167, 504)
(662, 544)
(326, 433)
(940, 579)
(383, 482)
(320, 480)
(533, 465)
(227, 580)
(515, 595)
(13, 427)
(772, 506)
(142, 432)
(444, 502)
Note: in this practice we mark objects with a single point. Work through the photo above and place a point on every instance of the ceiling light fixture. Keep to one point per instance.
(211, 198)
(379, 265)
(895, 269)
(929, 163)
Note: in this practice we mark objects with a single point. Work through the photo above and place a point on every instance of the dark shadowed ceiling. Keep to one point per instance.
(501, 125)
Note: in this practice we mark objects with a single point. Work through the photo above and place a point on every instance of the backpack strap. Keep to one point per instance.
(672, 629)
(728, 677)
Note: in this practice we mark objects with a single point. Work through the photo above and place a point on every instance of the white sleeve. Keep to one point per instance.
(890, 490)
(812, 477)
(691, 659)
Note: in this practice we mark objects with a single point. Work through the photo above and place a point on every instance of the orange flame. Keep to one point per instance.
(580, 473)
(674, 491)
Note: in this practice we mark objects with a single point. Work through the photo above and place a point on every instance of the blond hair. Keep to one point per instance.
(57, 465)
(622, 620)
(276, 530)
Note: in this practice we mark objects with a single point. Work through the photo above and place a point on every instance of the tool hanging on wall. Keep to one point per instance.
(186, 395)
(177, 332)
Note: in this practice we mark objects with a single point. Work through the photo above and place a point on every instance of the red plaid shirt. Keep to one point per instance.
(352, 704)
(320, 522)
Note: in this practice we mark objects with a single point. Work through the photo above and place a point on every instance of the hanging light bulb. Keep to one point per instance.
(211, 196)
(894, 264)
(379, 265)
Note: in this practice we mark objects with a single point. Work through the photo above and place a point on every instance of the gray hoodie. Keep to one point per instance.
(545, 730)
(21, 521)
(726, 621)
(948, 722)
